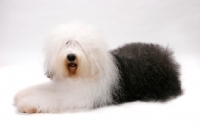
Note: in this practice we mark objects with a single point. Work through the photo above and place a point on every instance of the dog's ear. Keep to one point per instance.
(49, 74)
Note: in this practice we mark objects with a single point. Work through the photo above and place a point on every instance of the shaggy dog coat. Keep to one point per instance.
(85, 75)
(148, 72)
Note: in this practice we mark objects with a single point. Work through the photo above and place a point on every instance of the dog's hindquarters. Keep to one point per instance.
(148, 72)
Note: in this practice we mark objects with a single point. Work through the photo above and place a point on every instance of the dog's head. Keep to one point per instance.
(75, 51)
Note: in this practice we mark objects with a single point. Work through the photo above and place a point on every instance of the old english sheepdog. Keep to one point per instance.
(85, 75)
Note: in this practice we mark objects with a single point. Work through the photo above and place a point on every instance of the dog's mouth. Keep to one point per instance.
(72, 65)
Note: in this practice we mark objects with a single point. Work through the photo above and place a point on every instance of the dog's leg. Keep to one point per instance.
(36, 99)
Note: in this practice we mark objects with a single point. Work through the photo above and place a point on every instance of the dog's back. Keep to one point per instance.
(148, 72)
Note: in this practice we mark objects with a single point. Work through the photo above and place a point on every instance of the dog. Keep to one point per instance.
(85, 75)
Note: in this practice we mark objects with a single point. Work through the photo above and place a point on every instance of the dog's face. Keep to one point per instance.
(74, 52)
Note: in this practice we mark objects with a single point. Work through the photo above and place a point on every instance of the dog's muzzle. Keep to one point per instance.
(71, 60)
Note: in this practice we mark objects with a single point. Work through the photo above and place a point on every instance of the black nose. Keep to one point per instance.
(71, 57)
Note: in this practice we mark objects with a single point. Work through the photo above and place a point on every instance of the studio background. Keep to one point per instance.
(175, 23)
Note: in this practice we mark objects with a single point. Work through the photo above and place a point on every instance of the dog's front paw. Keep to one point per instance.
(27, 109)
(25, 102)
(26, 106)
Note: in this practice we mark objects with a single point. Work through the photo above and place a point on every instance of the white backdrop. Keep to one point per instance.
(25, 23)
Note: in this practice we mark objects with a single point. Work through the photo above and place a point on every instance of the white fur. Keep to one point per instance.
(96, 74)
